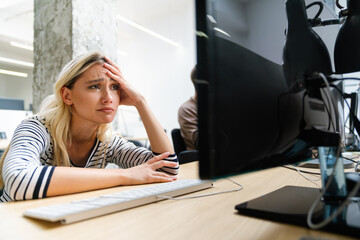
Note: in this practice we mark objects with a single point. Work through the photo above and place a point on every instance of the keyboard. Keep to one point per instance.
(105, 204)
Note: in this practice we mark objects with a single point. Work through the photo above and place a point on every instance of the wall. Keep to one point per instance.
(160, 71)
(10, 119)
(17, 87)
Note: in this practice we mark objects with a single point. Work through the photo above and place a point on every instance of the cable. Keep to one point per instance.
(328, 111)
(330, 100)
(338, 211)
(338, 4)
(342, 95)
(357, 168)
(352, 160)
(302, 174)
(357, 163)
(290, 167)
(321, 7)
(352, 114)
(315, 155)
(329, 181)
(328, 87)
(205, 195)
(318, 199)
(348, 78)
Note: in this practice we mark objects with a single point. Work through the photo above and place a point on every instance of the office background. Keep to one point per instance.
(157, 68)
(155, 50)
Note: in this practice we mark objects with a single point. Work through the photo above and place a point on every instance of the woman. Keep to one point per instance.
(64, 148)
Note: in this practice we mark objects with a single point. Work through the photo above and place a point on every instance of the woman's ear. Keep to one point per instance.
(66, 96)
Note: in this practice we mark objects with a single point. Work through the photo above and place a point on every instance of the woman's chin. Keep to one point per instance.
(107, 120)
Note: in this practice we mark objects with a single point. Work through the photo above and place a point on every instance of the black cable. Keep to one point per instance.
(338, 4)
(303, 171)
(342, 95)
(356, 169)
(321, 7)
(328, 110)
(352, 114)
(350, 159)
(352, 131)
(348, 78)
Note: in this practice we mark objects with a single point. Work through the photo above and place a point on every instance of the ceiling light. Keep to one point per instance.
(28, 64)
(21, 45)
(148, 31)
(5, 4)
(19, 74)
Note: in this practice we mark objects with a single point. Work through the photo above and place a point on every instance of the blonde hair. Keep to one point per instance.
(57, 114)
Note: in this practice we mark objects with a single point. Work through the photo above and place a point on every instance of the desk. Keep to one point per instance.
(211, 217)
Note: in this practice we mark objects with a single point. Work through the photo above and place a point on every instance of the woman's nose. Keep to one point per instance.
(107, 97)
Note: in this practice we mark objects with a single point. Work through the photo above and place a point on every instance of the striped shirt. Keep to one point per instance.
(28, 165)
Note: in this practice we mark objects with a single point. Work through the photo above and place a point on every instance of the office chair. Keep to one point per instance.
(184, 156)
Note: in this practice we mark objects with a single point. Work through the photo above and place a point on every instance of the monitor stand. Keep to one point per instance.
(291, 204)
(315, 163)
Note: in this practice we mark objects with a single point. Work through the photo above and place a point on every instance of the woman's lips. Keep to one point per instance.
(106, 110)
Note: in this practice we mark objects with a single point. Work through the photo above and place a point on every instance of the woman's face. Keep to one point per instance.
(94, 97)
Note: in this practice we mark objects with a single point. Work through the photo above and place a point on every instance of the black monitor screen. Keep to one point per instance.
(254, 115)
(250, 116)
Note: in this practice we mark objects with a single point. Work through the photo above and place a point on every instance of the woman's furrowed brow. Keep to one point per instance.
(95, 81)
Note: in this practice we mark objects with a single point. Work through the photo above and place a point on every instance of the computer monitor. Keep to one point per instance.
(250, 116)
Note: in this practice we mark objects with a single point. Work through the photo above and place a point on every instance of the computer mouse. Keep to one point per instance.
(352, 178)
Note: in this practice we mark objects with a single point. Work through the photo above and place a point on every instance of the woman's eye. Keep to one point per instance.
(115, 87)
(96, 86)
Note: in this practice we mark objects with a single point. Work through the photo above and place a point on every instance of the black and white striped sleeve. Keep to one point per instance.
(23, 174)
(127, 155)
(170, 170)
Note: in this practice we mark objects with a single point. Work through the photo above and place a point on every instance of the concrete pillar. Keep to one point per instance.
(64, 29)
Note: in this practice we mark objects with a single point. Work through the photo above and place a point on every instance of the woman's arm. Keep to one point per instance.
(158, 138)
(127, 155)
(25, 177)
(66, 180)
